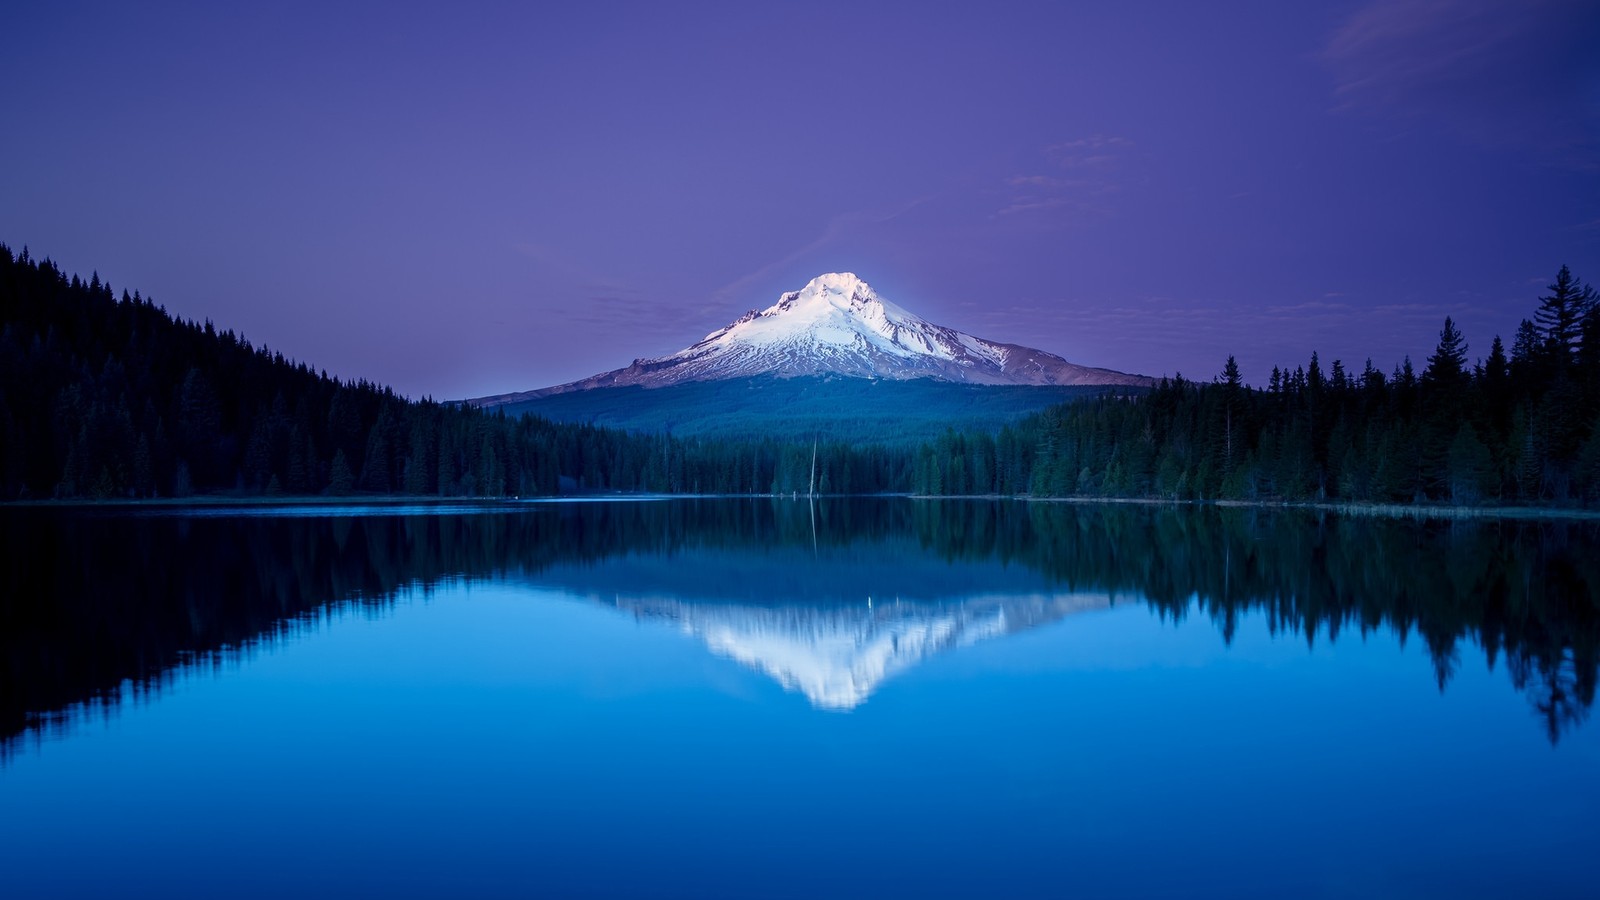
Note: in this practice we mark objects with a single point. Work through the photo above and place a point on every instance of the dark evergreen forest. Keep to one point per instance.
(106, 398)
(1517, 427)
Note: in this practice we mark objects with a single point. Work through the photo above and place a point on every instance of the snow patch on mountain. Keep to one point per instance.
(838, 325)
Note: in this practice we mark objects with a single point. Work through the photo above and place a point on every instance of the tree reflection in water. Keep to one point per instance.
(100, 605)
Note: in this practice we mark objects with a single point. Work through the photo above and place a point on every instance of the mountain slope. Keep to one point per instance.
(838, 325)
(854, 410)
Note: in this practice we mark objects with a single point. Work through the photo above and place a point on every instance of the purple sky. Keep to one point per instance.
(463, 203)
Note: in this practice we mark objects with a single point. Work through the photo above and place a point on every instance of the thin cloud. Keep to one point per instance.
(1086, 153)
(1398, 46)
(1502, 72)
(1046, 181)
(1096, 164)
(621, 311)
(1310, 307)
(1092, 142)
(591, 299)
(1030, 204)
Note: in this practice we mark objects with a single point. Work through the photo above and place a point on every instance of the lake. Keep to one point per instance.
(771, 698)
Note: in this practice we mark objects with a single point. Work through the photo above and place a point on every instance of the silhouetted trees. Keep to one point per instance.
(92, 602)
(1522, 429)
(107, 398)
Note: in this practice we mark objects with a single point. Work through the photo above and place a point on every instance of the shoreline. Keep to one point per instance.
(230, 500)
(1383, 510)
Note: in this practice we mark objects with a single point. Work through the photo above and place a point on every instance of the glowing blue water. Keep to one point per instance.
(572, 731)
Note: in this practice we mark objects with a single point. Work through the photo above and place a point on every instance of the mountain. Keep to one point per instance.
(840, 408)
(837, 325)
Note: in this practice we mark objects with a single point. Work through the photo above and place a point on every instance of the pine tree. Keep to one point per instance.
(1560, 316)
(1448, 365)
(1496, 369)
(1524, 347)
(1232, 401)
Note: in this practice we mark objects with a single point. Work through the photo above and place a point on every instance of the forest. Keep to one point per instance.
(899, 414)
(1520, 427)
(104, 397)
(113, 398)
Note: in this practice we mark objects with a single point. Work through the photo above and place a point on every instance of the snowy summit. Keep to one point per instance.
(838, 325)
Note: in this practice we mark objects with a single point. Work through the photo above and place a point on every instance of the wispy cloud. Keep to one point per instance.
(1047, 181)
(1395, 47)
(1096, 164)
(1032, 203)
(1521, 72)
(643, 314)
(590, 299)
(1094, 150)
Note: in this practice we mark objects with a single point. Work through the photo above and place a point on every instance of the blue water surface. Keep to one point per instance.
(573, 732)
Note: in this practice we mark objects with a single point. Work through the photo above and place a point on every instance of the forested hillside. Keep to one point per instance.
(1520, 427)
(898, 413)
(104, 397)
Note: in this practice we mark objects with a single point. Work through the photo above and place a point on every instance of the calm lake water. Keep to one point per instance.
(760, 698)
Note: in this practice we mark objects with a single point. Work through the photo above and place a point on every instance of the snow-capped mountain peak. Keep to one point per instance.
(844, 292)
(836, 318)
(838, 325)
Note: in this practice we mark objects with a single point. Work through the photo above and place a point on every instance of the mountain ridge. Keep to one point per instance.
(838, 325)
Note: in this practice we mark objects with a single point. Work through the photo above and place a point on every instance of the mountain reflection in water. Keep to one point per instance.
(837, 656)
(830, 599)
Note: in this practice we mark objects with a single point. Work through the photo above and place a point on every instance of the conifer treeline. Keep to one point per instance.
(1522, 427)
(108, 398)
(117, 399)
